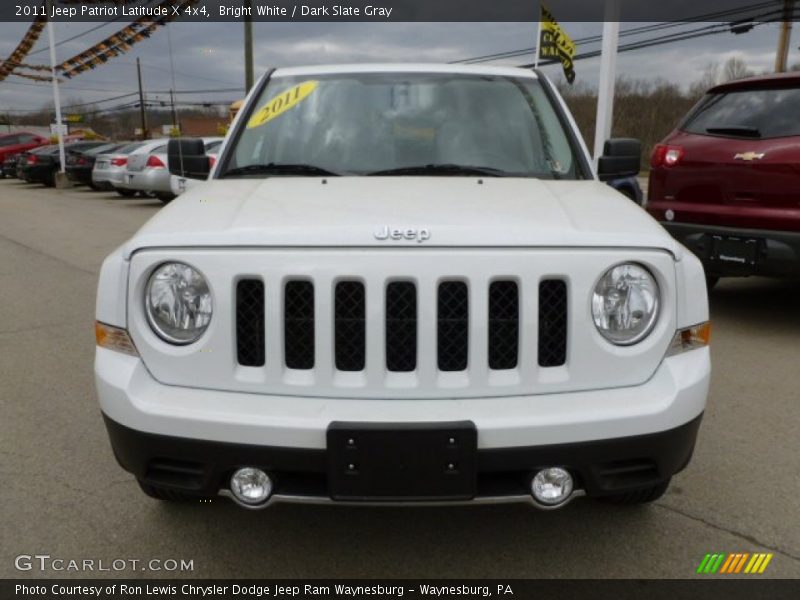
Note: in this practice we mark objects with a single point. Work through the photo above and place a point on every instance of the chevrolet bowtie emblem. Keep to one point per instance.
(749, 156)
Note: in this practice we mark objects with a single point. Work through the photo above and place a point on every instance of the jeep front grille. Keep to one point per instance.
(552, 323)
(452, 332)
(400, 325)
(298, 324)
(250, 322)
(503, 324)
(350, 335)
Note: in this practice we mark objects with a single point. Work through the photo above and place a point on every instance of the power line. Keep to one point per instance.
(708, 17)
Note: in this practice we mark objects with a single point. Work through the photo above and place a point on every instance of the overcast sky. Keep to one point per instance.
(210, 56)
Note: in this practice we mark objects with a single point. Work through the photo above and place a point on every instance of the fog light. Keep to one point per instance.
(251, 486)
(552, 486)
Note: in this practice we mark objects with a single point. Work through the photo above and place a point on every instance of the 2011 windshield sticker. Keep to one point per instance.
(281, 103)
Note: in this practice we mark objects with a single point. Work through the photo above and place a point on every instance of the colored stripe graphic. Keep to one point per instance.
(737, 562)
(703, 563)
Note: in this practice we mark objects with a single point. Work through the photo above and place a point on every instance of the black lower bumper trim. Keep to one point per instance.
(778, 252)
(601, 467)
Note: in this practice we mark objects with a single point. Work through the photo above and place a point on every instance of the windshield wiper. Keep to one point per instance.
(740, 130)
(443, 169)
(279, 169)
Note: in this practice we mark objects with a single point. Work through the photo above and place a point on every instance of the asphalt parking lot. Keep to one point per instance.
(63, 494)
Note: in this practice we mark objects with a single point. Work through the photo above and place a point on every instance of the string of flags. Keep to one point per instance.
(22, 49)
(554, 43)
(118, 43)
(98, 54)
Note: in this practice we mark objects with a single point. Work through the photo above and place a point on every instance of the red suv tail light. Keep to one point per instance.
(119, 161)
(154, 162)
(212, 160)
(665, 155)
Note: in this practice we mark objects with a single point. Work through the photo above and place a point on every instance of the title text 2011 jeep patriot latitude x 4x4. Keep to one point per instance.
(402, 283)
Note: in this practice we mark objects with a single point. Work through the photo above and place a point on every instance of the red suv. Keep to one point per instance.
(18, 142)
(726, 182)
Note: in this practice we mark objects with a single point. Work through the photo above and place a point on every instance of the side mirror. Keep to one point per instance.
(186, 157)
(622, 157)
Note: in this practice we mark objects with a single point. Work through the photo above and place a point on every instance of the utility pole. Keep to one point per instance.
(142, 109)
(175, 126)
(61, 177)
(782, 55)
(608, 77)
(248, 46)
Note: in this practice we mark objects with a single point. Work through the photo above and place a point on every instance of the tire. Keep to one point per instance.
(94, 186)
(165, 197)
(641, 496)
(125, 193)
(166, 494)
(711, 281)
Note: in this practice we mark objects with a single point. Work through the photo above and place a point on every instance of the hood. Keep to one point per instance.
(426, 211)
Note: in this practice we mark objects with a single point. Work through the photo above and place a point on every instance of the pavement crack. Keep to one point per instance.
(733, 532)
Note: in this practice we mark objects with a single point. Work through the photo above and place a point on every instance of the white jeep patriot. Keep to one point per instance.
(403, 284)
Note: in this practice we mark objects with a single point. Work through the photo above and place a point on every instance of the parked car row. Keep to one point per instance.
(129, 168)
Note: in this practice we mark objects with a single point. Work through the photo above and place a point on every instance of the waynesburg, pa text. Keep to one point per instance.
(254, 590)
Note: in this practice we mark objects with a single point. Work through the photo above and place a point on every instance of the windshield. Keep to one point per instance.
(404, 123)
(749, 113)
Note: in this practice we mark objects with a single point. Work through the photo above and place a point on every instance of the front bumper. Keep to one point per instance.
(613, 440)
(778, 252)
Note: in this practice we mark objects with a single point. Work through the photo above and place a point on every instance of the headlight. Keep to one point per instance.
(625, 304)
(178, 303)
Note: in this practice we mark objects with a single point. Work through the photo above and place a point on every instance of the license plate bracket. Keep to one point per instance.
(402, 461)
(734, 253)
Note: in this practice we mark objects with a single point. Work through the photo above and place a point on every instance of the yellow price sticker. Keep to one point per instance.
(281, 103)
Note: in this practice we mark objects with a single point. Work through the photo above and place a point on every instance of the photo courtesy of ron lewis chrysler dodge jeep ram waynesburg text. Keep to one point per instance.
(403, 284)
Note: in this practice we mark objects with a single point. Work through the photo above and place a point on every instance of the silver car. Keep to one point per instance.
(146, 171)
(109, 169)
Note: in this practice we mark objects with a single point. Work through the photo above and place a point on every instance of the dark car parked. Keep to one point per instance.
(15, 143)
(9, 165)
(81, 162)
(40, 165)
(726, 182)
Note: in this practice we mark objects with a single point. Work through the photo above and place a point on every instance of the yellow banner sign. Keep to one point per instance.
(556, 44)
(281, 103)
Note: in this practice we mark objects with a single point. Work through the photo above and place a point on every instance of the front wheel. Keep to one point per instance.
(640, 496)
(165, 197)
